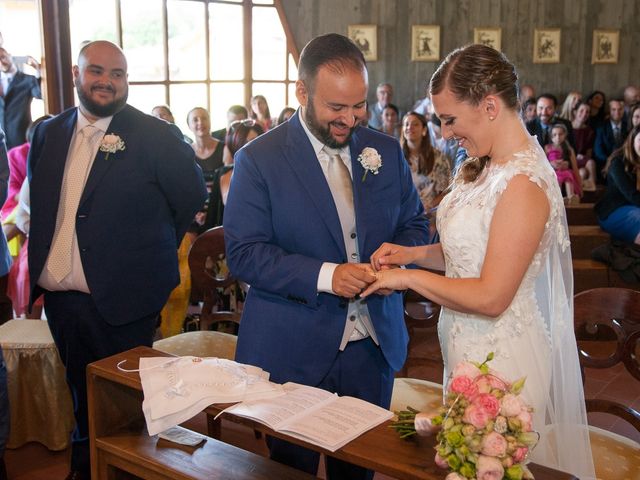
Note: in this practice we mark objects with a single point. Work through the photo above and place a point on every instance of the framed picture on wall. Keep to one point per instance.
(425, 43)
(366, 38)
(546, 45)
(491, 37)
(606, 46)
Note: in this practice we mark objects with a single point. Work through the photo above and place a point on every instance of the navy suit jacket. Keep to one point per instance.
(605, 142)
(535, 128)
(15, 107)
(281, 224)
(135, 208)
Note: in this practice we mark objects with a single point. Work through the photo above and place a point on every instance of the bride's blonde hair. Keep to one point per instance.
(471, 73)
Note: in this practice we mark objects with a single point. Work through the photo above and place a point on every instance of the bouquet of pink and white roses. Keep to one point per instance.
(484, 428)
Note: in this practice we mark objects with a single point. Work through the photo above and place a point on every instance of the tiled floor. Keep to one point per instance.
(35, 462)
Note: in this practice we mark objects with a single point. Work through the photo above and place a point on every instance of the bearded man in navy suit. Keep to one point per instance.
(302, 240)
(113, 191)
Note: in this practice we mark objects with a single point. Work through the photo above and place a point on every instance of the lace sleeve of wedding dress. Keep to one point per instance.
(566, 441)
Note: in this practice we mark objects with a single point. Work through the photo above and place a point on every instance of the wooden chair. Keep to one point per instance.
(420, 313)
(209, 275)
(607, 326)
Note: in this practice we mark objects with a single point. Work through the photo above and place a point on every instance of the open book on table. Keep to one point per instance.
(314, 415)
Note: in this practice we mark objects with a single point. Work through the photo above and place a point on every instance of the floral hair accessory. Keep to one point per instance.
(111, 144)
(370, 160)
(484, 428)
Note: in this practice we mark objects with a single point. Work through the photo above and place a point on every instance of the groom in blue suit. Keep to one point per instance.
(302, 218)
(113, 192)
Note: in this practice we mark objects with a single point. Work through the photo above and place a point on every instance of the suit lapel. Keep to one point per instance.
(119, 125)
(304, 162)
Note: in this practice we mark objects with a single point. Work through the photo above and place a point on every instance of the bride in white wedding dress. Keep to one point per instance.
(508, 287)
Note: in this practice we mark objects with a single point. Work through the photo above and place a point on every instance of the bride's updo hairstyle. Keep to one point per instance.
(471, 73)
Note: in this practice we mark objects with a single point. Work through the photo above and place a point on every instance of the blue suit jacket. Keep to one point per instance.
(281, 224)
(605, 142)
(135, 208)
(5, 256)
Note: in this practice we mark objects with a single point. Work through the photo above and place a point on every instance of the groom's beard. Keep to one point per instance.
(321, 132)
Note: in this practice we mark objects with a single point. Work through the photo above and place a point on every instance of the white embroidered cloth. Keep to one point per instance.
(176, 389)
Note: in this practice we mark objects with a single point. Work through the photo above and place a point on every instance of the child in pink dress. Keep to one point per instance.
(563, 160)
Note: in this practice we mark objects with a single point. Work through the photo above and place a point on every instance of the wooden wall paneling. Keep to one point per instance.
(457, 18)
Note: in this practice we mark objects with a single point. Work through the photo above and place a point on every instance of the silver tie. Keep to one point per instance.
(341, 187)
(73, 185)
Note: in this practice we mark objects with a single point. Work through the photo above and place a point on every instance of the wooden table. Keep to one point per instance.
(114, 393)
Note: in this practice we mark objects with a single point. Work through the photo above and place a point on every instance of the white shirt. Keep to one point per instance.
(76, 279)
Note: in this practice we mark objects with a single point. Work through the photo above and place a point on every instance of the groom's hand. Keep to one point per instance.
(349, 279)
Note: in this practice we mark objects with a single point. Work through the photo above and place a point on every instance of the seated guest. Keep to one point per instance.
(285, 115)
(634, 115)
(563, 160)
(390, 124)
(235, 112)
(527, 92)
(529, 110)
(597, 116)
(239, 134)
(569, 106)
(547, 118)
(384, 94)
(619, 210)
(164, 112)
(430, 168)
(584, 137)
(208, 149)
(260, 112)
(611, 134)
(631, 97)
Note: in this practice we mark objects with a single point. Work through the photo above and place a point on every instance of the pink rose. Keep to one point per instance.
(494, 445)
(520, 454)
(454, 476)
(487, 402)
(475, 416)
(441, 462)
(489, 468)
(526, 420)
(466, 369)
(511, 405)
(463, 385)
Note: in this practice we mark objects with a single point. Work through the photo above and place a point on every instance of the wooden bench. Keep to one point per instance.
(121, 446)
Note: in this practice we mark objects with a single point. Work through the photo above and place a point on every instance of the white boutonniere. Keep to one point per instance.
(370, 160)
(111, 144)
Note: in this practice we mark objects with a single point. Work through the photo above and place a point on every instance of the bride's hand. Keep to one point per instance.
(387, 280)
(391, 255)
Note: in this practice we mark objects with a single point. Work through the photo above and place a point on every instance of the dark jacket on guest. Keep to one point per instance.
(535, 128)
(15, 107)
(621, 190)
(606, 143)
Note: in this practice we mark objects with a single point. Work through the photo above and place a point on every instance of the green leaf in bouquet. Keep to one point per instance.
(455, 439)
(514, 472)
(454, 462)
(468, 470)
(517, 387)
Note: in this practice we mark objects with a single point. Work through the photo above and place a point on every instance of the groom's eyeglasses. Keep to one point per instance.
(247, 122)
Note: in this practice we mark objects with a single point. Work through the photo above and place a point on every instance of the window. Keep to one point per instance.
(189, 53)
